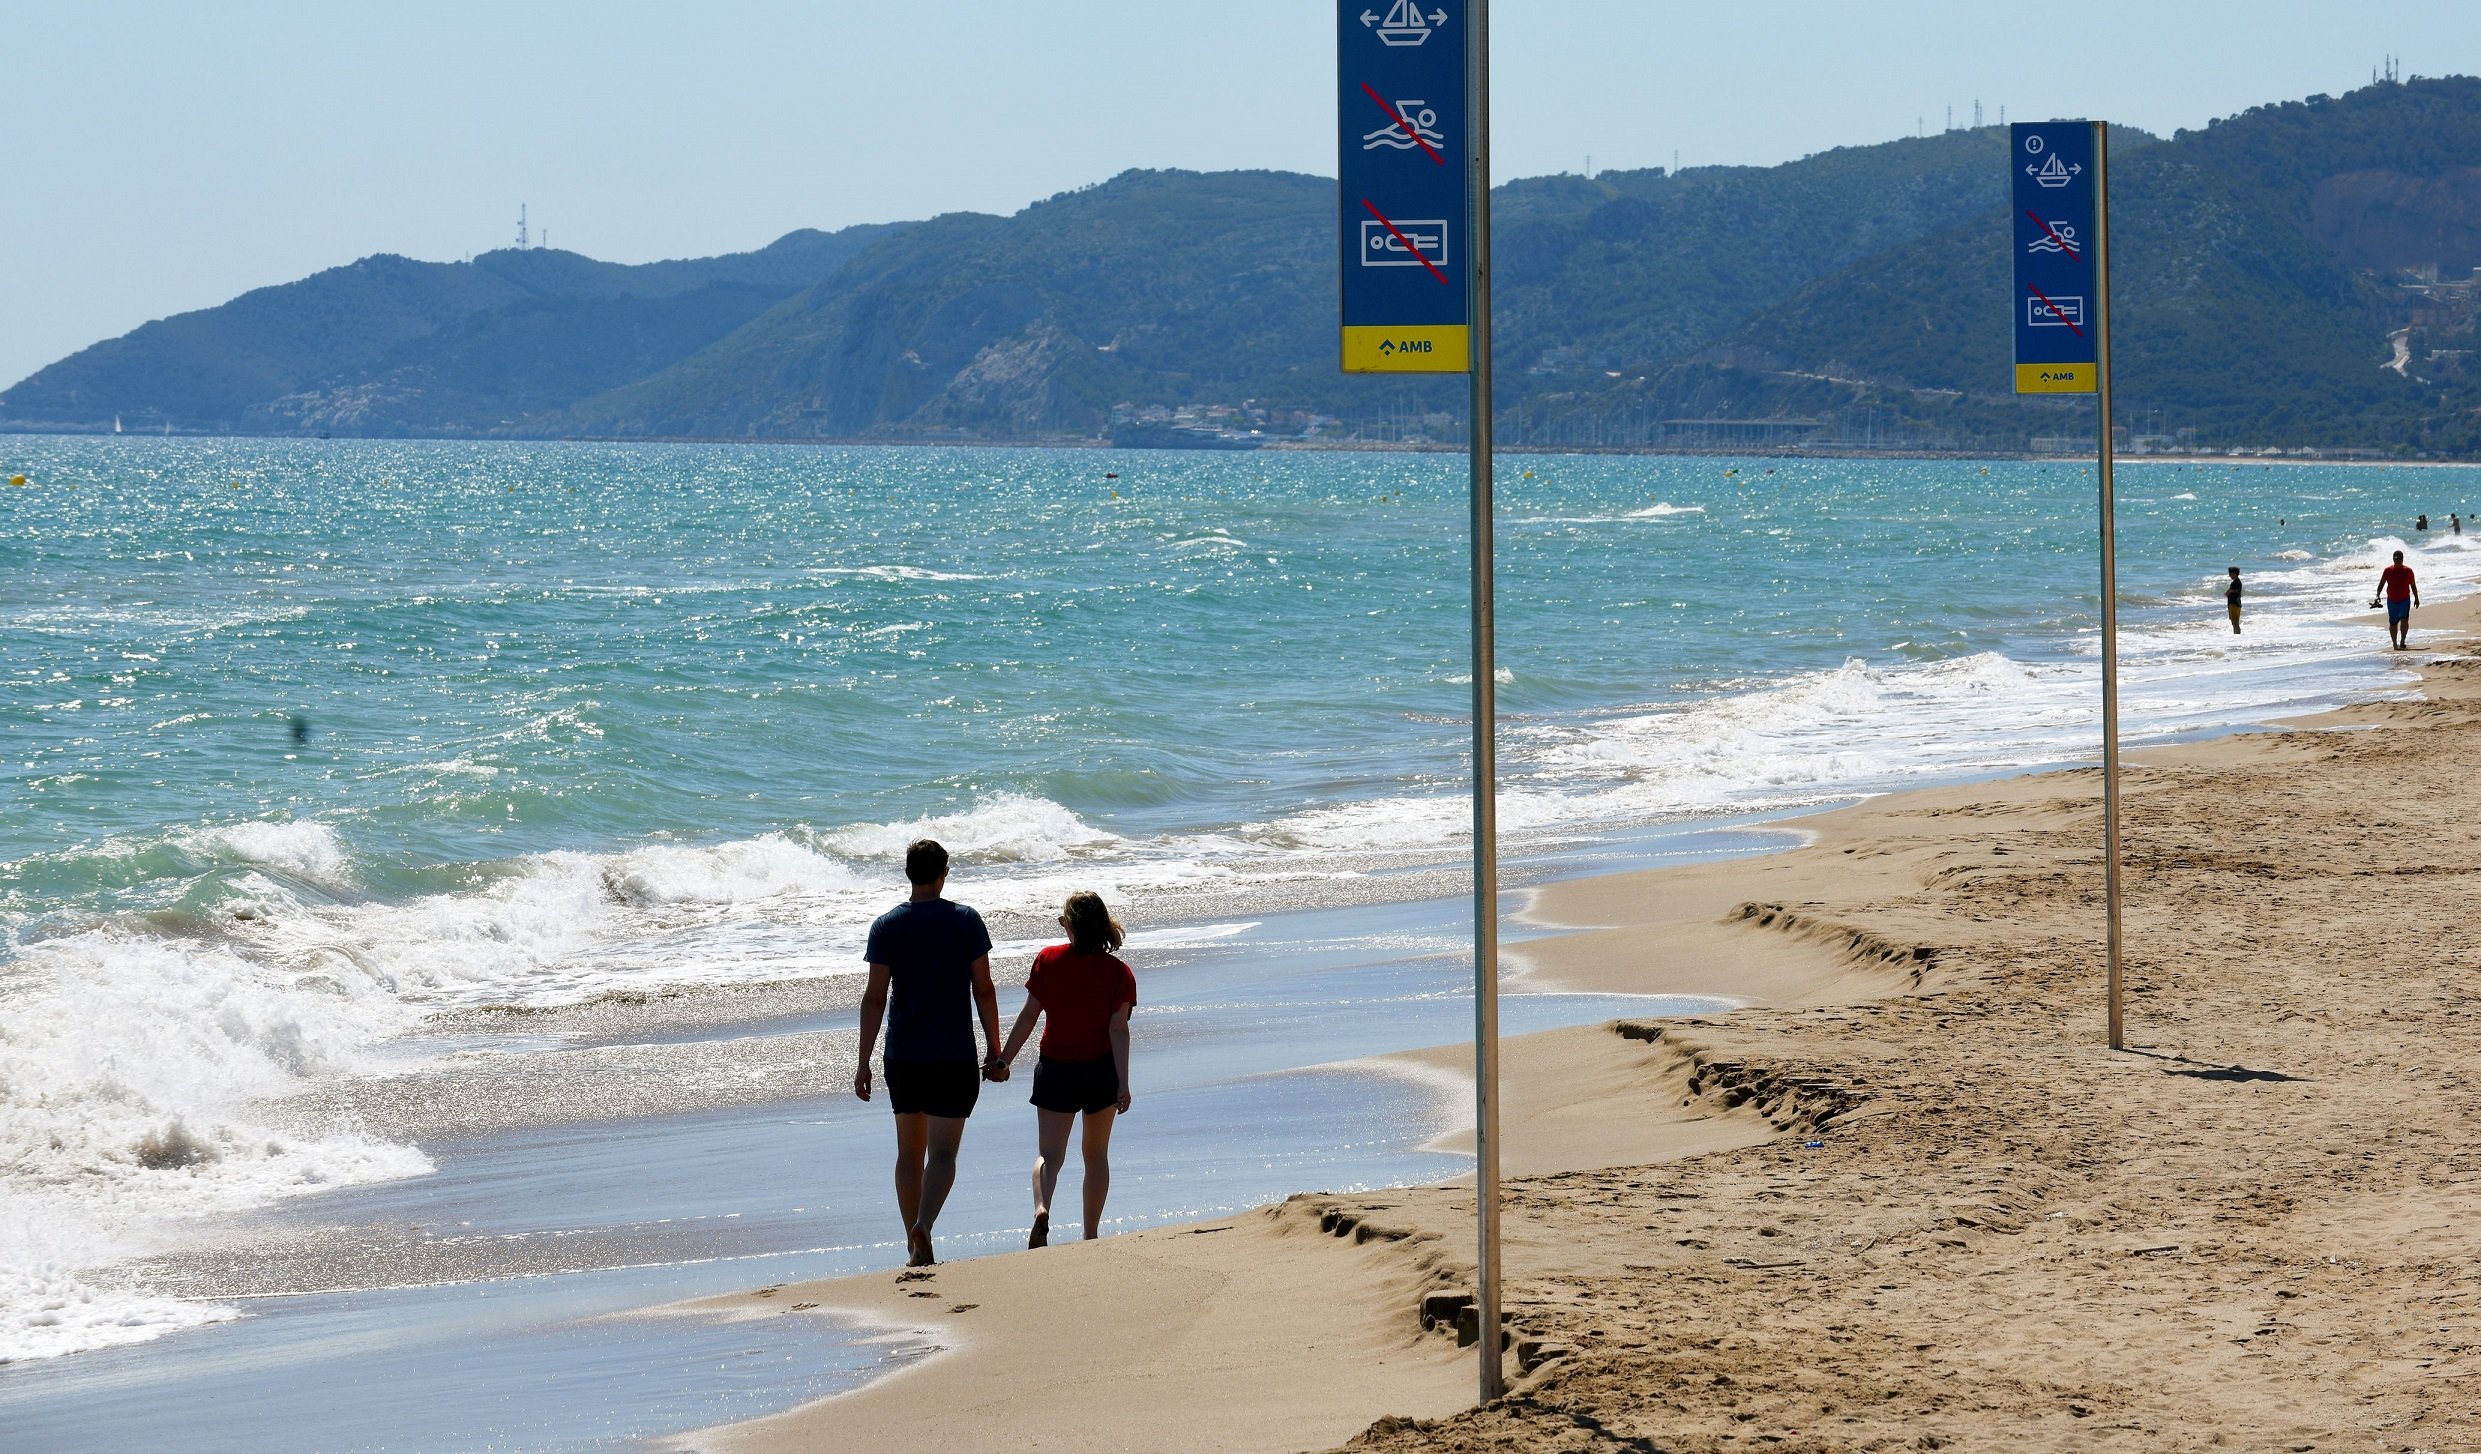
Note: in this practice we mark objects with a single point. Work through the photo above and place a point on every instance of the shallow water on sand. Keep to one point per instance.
(1251, 1086)
(586, 723)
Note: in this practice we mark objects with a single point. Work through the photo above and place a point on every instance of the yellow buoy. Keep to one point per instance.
(17, 479)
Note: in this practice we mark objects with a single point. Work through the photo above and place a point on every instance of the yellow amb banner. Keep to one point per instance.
(1433, 348)
(2054, 378)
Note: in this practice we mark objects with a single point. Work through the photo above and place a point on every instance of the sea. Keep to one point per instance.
(334, 764)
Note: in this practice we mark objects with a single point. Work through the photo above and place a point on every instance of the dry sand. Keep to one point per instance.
(1906, 1200)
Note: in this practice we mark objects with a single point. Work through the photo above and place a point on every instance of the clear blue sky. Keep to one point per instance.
(162, 157)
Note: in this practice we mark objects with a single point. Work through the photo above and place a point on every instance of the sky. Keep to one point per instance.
(156, 158)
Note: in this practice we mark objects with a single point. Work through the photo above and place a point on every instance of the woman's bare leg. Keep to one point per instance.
(1097, 1166)
(1051, 1133)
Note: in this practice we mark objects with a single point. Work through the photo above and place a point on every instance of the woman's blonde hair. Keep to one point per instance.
(1090, 925)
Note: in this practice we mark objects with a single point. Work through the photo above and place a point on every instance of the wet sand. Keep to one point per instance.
(1908, 1198)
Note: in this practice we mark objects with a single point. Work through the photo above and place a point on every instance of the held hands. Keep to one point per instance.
(995, 1069)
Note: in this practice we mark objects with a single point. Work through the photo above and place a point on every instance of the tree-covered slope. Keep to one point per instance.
(1177, 287)
(389, 344)
(2248, 301)
(2265, 271)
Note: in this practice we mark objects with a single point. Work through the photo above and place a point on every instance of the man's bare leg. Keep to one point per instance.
(945, 1135)
(912, 1137)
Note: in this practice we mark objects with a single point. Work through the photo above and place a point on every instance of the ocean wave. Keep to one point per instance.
(893, 573)
(1008, 827)
(1661, 510)
(126, 1110)
(725, 873)
(298, 848)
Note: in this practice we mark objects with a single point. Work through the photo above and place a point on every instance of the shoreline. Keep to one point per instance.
(1284, 446)
(635, 1057)
(1928, 925)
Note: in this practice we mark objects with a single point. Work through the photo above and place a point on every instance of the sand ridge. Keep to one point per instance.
(1908, 1199)
(2254, 1230)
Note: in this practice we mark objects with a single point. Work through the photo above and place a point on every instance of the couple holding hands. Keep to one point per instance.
(930, 973)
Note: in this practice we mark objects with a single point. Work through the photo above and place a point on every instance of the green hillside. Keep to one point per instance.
(1171, 288)
(2254, 272)
(2297, 275)
(391, 345)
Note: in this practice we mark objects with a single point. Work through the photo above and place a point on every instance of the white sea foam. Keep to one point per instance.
(1865, 727)
(1009, 827)
(299, 848)
(50, 1304)
(132, 1062)
(894, 573)
(1662, 510)
(725, 873)
(132, 1066)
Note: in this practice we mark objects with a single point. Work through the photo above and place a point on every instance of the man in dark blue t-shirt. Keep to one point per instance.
(934, 957)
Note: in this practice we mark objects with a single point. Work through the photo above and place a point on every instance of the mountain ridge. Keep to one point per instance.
(2269, 272)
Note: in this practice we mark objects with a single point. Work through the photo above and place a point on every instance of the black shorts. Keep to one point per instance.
(1076, 1085)
(933, 1087)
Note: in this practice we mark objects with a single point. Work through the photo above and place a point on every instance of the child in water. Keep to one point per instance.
(2231, 599)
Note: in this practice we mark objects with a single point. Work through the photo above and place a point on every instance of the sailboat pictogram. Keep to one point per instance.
(2054, 173)
(1405, 24)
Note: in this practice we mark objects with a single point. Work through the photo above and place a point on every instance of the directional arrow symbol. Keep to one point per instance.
(1438, 17)
(1368, 19)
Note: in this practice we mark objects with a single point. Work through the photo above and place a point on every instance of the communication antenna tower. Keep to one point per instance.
(521, 242)
(1977, 113)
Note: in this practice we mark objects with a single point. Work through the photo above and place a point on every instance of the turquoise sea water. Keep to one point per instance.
(585, 718)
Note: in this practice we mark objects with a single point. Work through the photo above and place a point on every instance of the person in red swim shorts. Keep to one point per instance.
(2402, 593)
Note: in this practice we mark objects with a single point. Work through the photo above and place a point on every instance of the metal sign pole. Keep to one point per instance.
(2110, 573)
(1402, 307)
(2062, 324)
(1485, 724)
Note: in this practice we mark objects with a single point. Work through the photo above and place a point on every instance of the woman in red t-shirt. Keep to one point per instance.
(1084, 994)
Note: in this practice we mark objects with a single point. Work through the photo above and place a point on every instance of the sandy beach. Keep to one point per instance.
(1907, 1198)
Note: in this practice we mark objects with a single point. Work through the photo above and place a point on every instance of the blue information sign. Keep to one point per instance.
(1400, 124)
(2052, 165)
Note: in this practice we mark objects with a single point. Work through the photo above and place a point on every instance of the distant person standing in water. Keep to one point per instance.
(2456, 523)
(2231, 599)
(2402, 593)
(1083, 993)
(930, 969)
(2421, 524)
